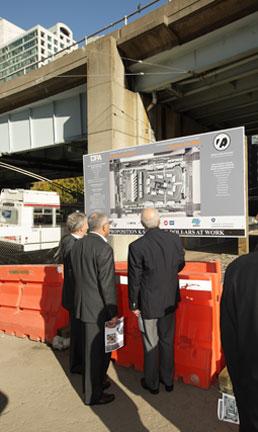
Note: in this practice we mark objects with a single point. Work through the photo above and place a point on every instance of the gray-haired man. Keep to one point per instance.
(95, 303)
(153, 264)
(77, 226)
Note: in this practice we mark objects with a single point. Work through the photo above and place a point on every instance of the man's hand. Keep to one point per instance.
(112, 322)
(136, 312)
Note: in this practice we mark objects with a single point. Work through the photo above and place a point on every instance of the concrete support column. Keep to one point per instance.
(116, 116)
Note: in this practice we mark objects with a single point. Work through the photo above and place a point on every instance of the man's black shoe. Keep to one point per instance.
(105, 399)
(168, 388)
(106, 385)
(144, 385)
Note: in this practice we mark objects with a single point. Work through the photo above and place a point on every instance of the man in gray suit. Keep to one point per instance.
(93, 271)
(154, 261)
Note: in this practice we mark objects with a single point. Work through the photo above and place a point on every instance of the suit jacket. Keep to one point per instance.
(92, 264)
(65, 247)
(239, 334)
(153, 264)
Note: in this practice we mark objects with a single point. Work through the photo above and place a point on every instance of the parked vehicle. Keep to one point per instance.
(29, 222)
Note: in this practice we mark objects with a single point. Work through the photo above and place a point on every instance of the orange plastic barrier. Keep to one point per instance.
(121, 266)
(30, 301)
(132, 353)
(202, 267)
(198, 355)
(198, 351)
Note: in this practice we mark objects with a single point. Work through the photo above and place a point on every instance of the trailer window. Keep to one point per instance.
(42, 216)
(58, 217)
(8, 216)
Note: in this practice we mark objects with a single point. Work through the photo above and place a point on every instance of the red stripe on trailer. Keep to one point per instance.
(41, 205)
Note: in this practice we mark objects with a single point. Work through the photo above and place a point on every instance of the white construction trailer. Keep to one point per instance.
(29, 221)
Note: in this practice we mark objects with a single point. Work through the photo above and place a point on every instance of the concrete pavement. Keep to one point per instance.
(43, 396)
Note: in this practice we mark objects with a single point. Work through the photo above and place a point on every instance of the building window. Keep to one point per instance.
(29, 44)
(16, 43)
(64, 31)
(58, 217)
(29, 36)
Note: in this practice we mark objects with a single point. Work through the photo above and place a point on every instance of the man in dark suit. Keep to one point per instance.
(154, 261)
(77, 226)
(95, 303)
(239, 335)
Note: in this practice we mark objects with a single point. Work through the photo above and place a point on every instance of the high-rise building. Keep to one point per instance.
(8, 31)
(22, 51)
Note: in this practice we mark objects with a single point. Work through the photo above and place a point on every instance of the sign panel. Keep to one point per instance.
(197, 183)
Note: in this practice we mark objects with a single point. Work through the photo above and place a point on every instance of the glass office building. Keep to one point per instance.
(32, 49)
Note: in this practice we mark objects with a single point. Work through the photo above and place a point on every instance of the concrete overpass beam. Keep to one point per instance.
(116, 116)
(223, 46)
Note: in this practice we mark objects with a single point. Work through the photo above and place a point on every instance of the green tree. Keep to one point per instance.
(70, 190)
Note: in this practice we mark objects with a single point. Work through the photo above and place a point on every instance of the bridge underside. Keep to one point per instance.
(60, 161)
(47, 137)
(212, 79)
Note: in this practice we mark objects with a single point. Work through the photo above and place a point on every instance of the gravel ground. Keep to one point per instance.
(225, 259)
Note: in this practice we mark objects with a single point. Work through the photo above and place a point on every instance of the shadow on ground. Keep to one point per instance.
(187, 408)
(3, 402)
(120, 415)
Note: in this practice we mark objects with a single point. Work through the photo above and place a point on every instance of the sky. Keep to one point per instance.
(84, 17)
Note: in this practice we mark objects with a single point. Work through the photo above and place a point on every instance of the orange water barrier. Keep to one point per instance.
(30, 301)
(197, 347)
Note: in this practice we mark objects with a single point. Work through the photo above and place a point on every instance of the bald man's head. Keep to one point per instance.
(150, 218)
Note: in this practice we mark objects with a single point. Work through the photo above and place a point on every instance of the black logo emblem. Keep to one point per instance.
(221, 142)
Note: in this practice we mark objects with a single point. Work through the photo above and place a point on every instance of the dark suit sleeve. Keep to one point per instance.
(106, 278)
(229, 325)
(180, 253)
(68, 292)
(134, 277)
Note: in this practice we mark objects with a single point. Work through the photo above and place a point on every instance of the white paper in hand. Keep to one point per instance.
(227, 409)
(114, 337)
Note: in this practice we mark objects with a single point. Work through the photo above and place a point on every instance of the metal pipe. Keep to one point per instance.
(153, 102)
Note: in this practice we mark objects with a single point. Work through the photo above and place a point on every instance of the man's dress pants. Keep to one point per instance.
(158, 342)
(95, 361)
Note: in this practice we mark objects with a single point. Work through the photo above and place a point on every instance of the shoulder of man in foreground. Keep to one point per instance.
(98, 241)
(243, 261)
(137, 241)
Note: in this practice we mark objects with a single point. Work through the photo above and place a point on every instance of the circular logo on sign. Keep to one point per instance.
(165, 222)
(221, 142)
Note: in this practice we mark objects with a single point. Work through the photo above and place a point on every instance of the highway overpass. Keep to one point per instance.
(186, 67)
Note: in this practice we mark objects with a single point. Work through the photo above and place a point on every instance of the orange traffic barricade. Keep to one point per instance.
(30, 301)
(198, 354)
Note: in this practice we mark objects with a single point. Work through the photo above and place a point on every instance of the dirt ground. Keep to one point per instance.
(43, 396)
